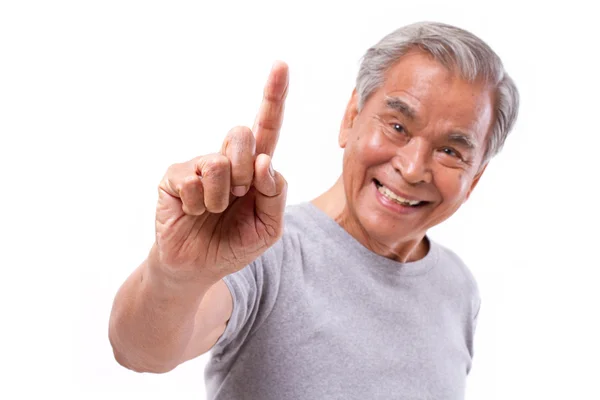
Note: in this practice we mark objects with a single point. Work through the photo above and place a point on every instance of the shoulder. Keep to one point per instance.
(297, 221)
(460, 273)
(299, 224)
(298, 216)
(451, 257)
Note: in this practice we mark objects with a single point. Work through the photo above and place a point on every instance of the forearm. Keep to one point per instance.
(153, 319)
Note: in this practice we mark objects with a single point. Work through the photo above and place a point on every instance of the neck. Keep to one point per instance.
(333, 203)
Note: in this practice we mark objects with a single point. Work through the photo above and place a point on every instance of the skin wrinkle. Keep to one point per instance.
(415, 161)
(463, 140)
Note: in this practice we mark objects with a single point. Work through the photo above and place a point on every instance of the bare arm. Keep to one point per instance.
(157, 324)
(215, 214)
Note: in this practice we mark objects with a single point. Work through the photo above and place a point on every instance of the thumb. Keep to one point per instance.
(271, 192)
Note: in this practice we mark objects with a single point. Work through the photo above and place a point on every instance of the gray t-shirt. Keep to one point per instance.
(319, 316)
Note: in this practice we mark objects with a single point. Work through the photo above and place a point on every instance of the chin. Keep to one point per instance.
(384, 228)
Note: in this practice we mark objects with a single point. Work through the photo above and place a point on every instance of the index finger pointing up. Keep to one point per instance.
(270, 115)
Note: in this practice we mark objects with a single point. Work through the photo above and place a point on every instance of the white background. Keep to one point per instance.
(97, 99)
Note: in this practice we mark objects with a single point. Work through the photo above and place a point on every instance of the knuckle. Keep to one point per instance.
(196, 161)
(216, 166)
(242, 139)
(173, 170)
(240, 131)
(171, 178)
(190, 181)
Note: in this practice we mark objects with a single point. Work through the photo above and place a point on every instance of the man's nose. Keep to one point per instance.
(412, 161)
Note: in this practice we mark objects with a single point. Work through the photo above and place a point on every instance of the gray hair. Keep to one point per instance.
(456, 49)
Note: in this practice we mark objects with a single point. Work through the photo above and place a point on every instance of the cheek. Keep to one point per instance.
(454, 185)
(371, 146)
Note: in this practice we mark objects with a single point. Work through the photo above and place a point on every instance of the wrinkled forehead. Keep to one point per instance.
(433, 91)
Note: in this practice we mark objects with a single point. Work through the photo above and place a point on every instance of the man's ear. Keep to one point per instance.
(475, 181)
(348, 121)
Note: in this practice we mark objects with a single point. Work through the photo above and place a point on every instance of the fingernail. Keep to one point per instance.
(271, 170)
(239, 191)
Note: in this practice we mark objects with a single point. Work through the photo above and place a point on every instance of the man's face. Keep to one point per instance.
(421, 137)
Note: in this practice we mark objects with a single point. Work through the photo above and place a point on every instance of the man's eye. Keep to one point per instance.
(451, 152)
(398, 128)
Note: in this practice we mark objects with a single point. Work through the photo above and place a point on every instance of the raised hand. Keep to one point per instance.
(218, 212)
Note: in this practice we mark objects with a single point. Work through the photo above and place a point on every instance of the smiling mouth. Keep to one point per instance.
(385, 191)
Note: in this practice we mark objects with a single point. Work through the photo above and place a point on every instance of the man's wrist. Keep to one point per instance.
(180, 284)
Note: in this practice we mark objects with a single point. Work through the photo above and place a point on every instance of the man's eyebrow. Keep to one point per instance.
(401, 106)
(460, 138)
(463, 139)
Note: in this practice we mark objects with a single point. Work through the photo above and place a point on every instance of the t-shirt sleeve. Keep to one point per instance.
(254, 291)
(475, 316)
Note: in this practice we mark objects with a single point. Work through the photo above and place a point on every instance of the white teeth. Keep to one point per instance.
(390, 195)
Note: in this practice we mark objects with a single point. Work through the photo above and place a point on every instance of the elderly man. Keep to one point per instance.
(345, 296)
